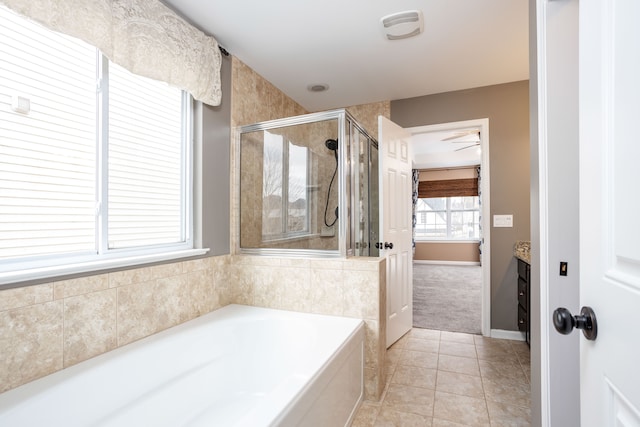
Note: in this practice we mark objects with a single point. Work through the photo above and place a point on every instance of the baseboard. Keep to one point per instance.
(420, 261)
(507, 335)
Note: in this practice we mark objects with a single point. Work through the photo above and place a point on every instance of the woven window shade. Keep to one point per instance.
(448, 188)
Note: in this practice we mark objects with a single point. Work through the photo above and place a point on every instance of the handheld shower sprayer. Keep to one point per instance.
(331, 144)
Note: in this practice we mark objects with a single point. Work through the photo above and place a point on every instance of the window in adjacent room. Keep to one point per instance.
(448, 218)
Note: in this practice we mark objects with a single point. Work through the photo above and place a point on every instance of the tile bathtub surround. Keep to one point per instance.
(353, 287)
(452, 379)
(45, 328)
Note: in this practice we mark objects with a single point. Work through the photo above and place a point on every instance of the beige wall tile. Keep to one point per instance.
(144, 274)
(327, 292)
(363, 263)
(196, 264)
(89, 325)
(25, 296)
(31, 343)
(79, 286)
(202, 295)
(150, 307)
(361, 294)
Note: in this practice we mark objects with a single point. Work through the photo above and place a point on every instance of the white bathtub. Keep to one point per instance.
(237, 366)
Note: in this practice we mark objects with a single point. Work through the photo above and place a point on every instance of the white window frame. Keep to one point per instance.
(31, 268)
(448, 211)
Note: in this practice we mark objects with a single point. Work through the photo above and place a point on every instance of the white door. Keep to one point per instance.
(396, 225)
(610, 210)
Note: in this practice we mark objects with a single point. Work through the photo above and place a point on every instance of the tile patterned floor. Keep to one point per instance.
(448, 379)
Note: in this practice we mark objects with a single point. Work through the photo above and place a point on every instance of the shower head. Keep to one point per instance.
(332, 144)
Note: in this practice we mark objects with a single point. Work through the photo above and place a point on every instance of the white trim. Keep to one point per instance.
(485, 188)
(94, 266)
(543, 195)
(507, 335)
(436, 262)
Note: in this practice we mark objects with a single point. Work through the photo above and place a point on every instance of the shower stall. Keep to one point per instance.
(308, 186)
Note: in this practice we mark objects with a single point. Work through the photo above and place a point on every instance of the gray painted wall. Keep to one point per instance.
(555, 231)
(507, 108)
(215, 169)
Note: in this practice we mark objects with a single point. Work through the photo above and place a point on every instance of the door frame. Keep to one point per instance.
(553, 65)
(485, 187)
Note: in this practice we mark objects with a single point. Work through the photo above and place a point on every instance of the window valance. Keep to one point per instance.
(143, 36)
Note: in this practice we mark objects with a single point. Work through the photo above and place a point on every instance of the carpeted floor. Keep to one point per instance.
(447, 297)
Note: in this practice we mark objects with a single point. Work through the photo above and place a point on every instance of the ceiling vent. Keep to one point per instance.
(402, 25)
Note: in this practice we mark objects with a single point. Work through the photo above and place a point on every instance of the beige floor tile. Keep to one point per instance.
(507, 390)
(458, 379)
(366, 415)
(437, 422)
(493, 342)
(401, 342)
(457, 349)
(390, 418)
(392, 358)
(461, 409)
(527, 373)
(524, 358)
(429, 346)
(419, 358)
(520, 347)
(465, 385)
(496, 370)
(462, 365)
(415, 376)
(425, 334)
(495, 352)
(503, 415)
(457, 337)
(415, 400)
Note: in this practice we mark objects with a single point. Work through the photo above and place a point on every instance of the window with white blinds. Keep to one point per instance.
(146, 157)
(94, 160)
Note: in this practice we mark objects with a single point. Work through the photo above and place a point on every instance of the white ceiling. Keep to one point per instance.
(296, 43)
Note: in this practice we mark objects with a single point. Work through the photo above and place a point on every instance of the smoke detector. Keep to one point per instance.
(402, 25)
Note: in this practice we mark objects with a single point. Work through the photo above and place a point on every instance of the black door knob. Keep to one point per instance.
(564, 322)
(388, 245)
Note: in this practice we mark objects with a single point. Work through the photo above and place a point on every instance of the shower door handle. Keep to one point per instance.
(385, 245)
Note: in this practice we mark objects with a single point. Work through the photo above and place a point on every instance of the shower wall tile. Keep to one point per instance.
(31, 342)
(367, 115)
(89, 325)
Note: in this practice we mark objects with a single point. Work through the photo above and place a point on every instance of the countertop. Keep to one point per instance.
(522, 250)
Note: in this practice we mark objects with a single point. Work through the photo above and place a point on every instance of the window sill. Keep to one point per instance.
(447, 241)
(17, 276)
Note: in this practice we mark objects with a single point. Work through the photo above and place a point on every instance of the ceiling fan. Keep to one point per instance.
(471, 137)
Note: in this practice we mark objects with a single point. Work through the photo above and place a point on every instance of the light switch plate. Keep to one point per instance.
(503, 220)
